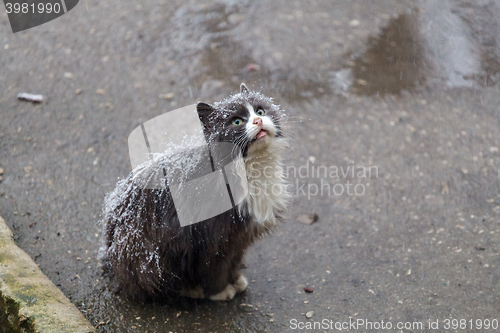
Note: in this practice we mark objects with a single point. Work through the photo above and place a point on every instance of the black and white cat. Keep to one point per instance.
(148, 253)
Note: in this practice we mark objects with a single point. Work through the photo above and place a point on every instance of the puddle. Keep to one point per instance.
(436, 44)
(394, 60)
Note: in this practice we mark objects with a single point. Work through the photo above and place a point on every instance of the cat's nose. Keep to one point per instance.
(258, 122)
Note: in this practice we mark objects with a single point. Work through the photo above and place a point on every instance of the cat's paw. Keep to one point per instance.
(225, 295)
(196, 292)
(241, 284)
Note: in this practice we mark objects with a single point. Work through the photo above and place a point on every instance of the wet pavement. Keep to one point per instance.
(403, 93)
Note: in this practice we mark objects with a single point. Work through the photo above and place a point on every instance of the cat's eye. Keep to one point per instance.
(260, 112)
(237, 121)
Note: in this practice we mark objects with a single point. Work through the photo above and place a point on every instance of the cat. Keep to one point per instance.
(149, 254)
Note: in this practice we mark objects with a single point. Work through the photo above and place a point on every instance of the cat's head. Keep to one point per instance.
(248, 119)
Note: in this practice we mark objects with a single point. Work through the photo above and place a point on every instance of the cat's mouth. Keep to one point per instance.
(261, 135)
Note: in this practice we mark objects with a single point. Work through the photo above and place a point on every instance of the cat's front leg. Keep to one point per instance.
(231, 290)
(241, 284)
(226, 295)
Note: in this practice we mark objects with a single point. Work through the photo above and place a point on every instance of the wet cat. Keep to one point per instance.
(149, 254)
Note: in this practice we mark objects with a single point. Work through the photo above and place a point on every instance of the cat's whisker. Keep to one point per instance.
(240, 140)
(236, 145)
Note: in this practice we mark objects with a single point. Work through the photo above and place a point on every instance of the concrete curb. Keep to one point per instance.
(29, 301)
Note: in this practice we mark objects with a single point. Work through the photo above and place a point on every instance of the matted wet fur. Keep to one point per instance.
(151, 257)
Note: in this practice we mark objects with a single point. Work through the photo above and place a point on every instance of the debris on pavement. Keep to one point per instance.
(308, 290)
(308, 218)
(167, 97)
(30, 97)
(309, 314)
(252, 67)
(246, 305)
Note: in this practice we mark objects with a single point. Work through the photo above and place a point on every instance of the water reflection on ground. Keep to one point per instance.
(434, 44)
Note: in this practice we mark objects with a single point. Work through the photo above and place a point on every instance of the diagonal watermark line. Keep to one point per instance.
(64, 6)
(145, 138)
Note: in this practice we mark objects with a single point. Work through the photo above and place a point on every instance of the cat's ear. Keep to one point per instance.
(204, 110)
(243, 89)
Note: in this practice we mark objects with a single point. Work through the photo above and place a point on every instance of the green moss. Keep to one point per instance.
(30, 300)
(28, 297)
(11, 320)
(8, 278)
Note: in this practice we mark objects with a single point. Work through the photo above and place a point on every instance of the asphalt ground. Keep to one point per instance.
(405, 89)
